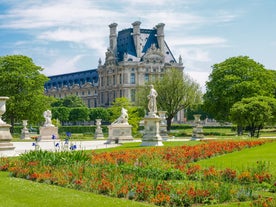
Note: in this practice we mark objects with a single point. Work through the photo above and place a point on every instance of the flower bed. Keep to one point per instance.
(165, 176)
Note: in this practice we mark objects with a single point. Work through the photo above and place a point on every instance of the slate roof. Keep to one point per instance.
(70, 79)
(125, 44)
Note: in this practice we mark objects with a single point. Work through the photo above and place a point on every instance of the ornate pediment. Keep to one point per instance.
(65, 88)
(154, 54)
(53, 89)
(87, 85)
(75, 87)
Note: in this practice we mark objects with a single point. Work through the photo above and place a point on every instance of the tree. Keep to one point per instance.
(254, 113)
(175, 92)
(79, 114)
(69, 101)
(61, 113)
(99, 113)
(22, 82)
(234, 79)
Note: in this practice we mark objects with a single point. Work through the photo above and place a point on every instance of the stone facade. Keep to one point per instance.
(134, 57)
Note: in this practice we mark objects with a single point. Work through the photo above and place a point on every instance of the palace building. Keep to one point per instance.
(134, 57)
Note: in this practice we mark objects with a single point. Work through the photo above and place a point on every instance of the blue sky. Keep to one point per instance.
(64, 36)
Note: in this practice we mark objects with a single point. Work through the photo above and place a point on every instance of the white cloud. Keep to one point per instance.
(180, 41)
(200, 78)
(63, 65)
(194, 55)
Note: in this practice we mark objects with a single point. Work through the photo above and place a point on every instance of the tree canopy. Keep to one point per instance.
(22, 82)
(254, 113)
(175, 92)
(234, 79)
(69, 101)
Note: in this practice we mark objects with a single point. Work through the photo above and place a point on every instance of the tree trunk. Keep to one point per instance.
(239, 130)
(258, 130)
(169, 123)
(12, 124)
(252, 130)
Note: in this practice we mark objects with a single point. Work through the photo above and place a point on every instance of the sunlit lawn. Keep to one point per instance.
(24, 193)
(243, 159)
(17, 192)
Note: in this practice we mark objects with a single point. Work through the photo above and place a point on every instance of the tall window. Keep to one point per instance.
(121, 79)
(132, 95)
(107, 80)
(102, 97)
(132, 78)
(114, 80)
(146, 77)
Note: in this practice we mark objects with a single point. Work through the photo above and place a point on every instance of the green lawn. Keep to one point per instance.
(24, 193)
(245, 158)
(17, 192)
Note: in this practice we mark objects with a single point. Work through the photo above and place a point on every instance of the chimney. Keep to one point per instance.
(160, 37)
(136, 37)
(113, 37)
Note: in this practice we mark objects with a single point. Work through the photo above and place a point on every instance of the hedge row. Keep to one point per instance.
(64, 129)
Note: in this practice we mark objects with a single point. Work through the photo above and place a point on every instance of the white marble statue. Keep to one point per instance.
(152, 100)
(48, 118)
(123, 119)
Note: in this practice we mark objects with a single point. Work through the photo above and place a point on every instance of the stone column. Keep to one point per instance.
(161, 37)
(113, 37)
(136, 37)
(5, 135)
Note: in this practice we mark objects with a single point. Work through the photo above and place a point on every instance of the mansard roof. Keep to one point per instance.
(69, 79)
(148, 37)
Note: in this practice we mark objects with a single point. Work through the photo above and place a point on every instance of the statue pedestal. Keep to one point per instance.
(47, 132)
(25, 134)
(5, 137)
(151, 135)
(197, 130)
(99, 133)
(119, 133)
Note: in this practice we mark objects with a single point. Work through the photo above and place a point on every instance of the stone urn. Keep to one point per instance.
(98, 131)
(198, 129)
(2, 108)
(5, 134)
(25, 132)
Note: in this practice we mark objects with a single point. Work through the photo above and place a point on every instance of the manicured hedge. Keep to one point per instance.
(80, 129)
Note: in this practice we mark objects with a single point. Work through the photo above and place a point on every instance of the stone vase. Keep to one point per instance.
(25, 132)
(98, 131)
(198, 129)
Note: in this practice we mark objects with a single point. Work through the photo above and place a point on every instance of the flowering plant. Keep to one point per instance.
(36, 138)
